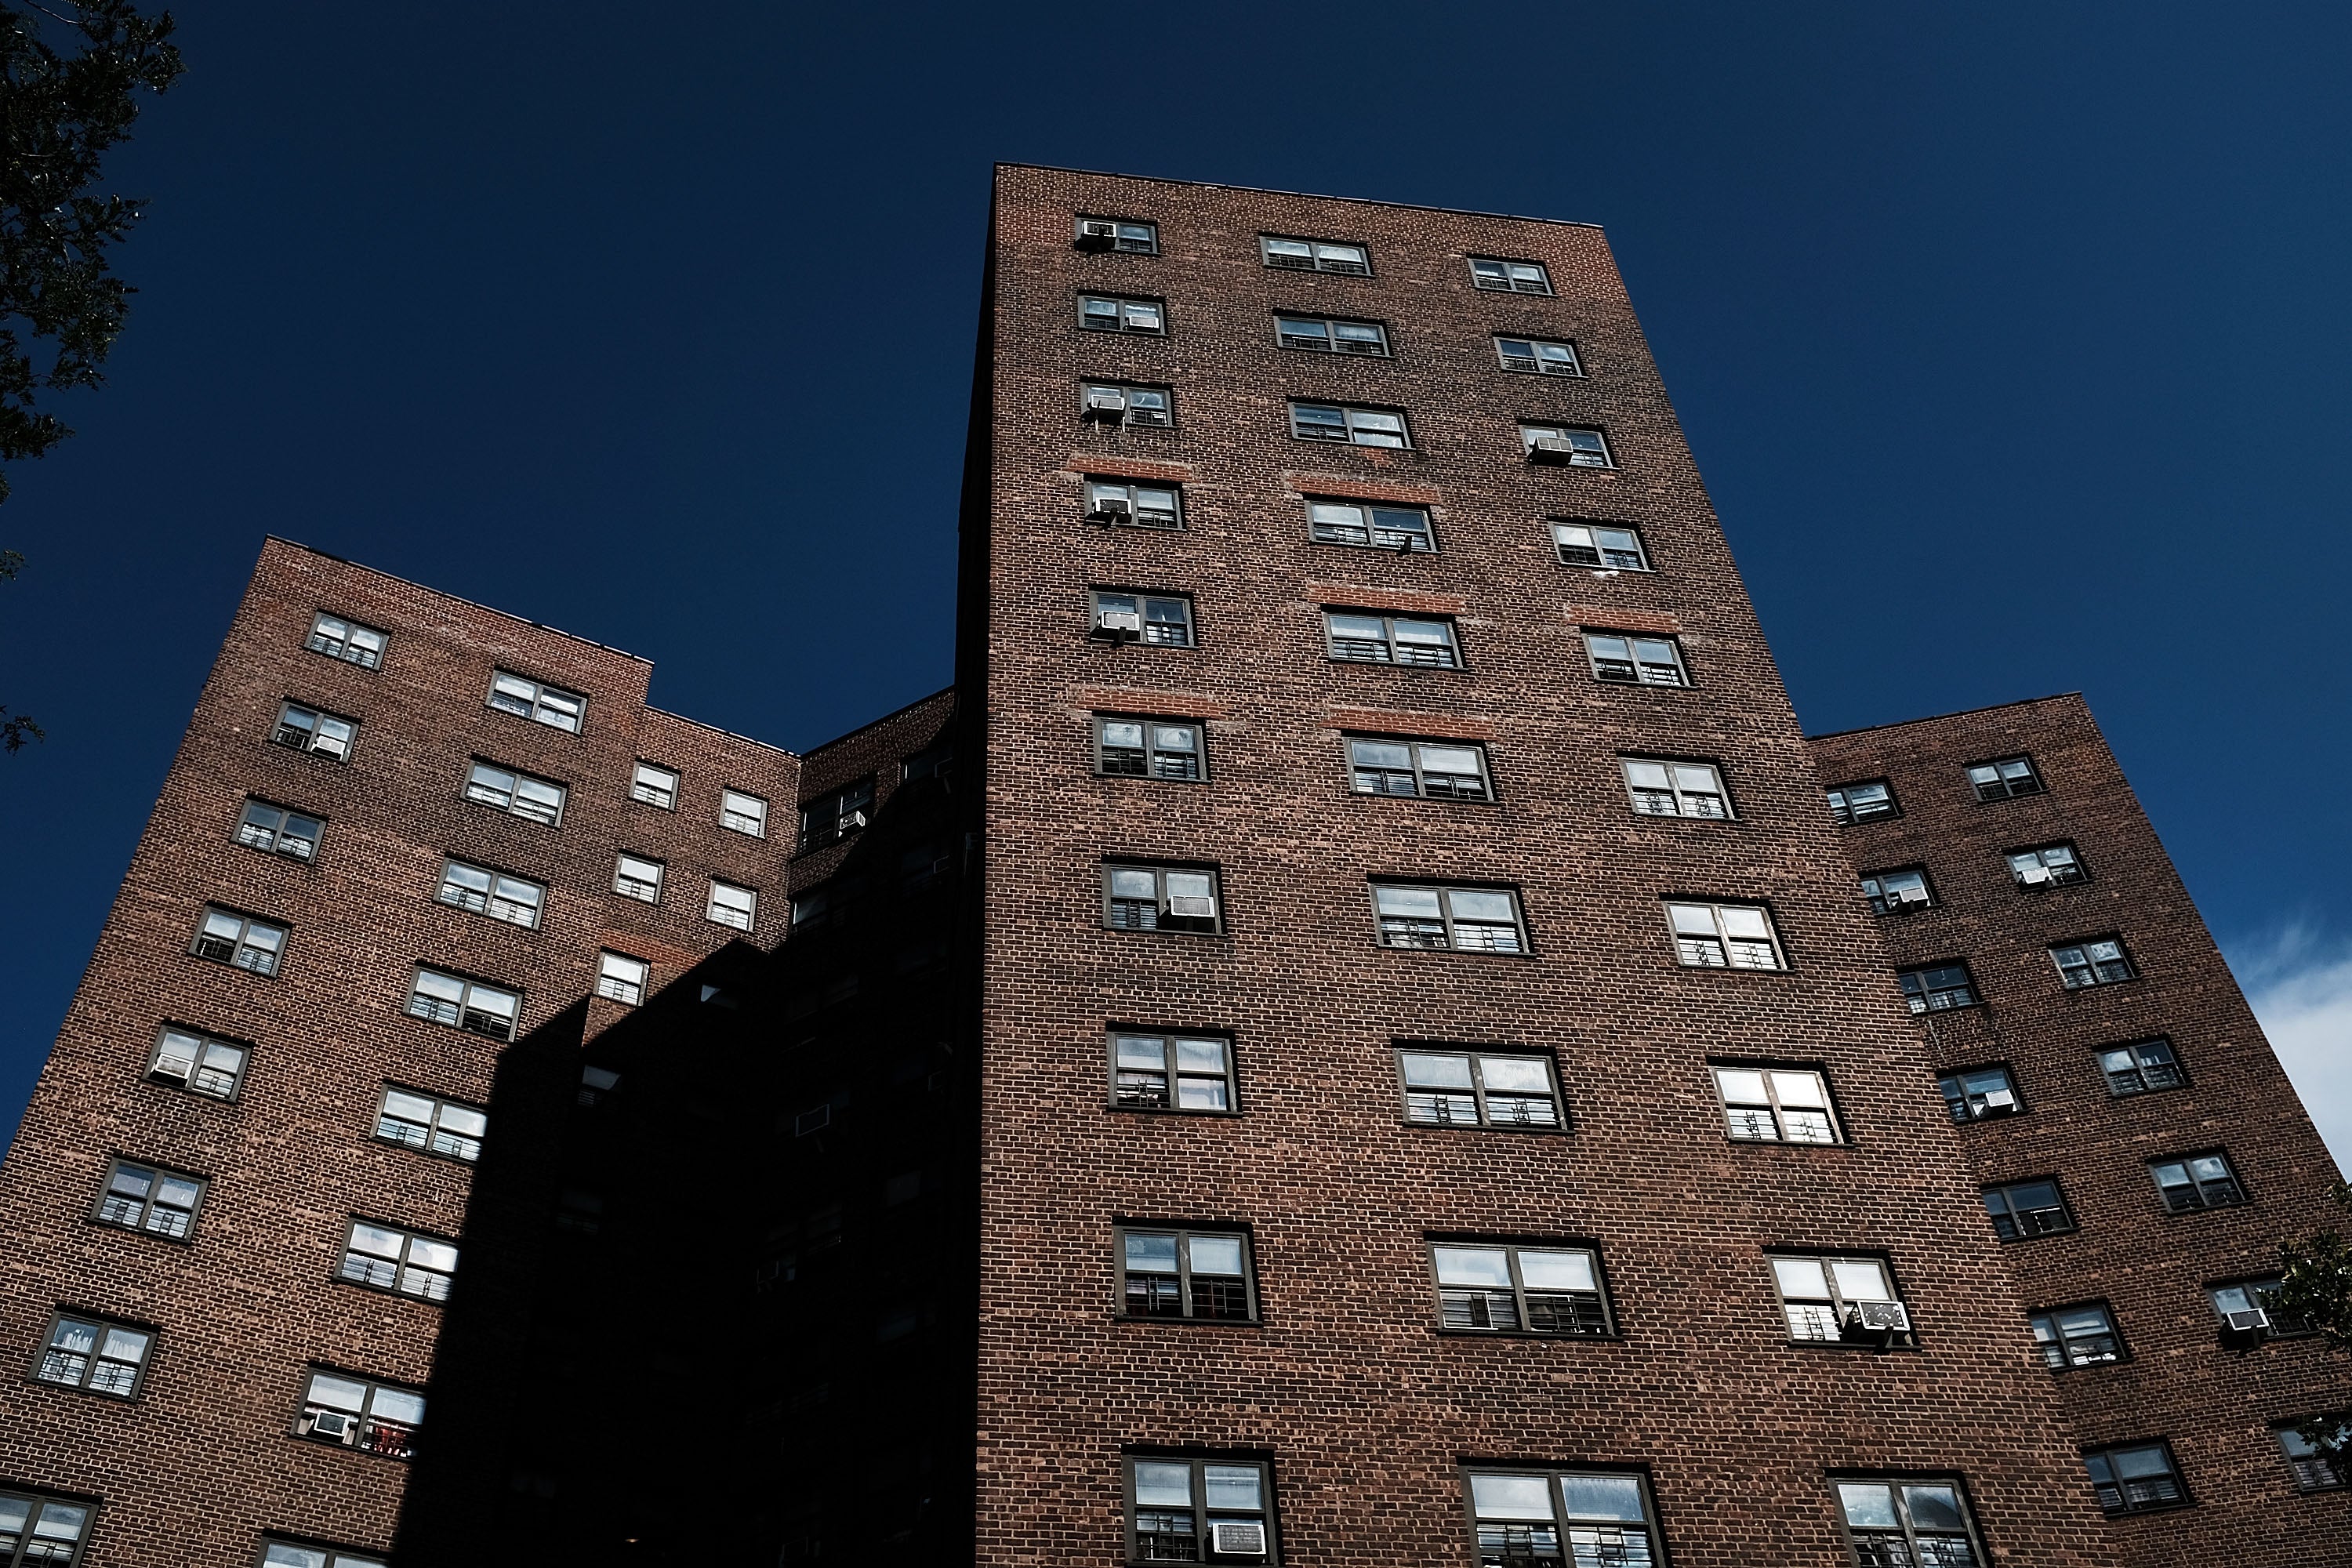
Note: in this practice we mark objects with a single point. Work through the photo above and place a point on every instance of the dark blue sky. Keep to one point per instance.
(2013, 346)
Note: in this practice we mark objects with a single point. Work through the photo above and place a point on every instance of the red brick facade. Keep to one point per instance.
(2180, 1380)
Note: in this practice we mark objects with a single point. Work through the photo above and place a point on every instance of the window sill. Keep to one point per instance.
(1560, 1132)
(1168, 1110)
(1904, 1347)
(1524, 1334)
(111, 1228)
(1455, 952)
(1190, 1322)
(1841, 1146)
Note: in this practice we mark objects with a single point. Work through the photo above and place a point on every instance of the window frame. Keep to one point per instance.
(1536, 364)
(1960, 1100)
(546, 697)
(1088, 411)
(1445, 891)
(238, 946)
(1347, 413)
(1184, 1232)
(103, 1327)
(1158, 307)
(1844, 812)
(1475, 1057)
(305, 1407)
(1601, 561)
(469, 984)
(141, 1223)
(1172, 1077)
(2257, 1289)
(1511, 282)
(2195, 1185)
(644, 793)
(2092, 965)
(1881, 899)
(495, 895)
(279, 836)
(1152, 751)
(1118, 245)
(826, 819)
(1626, 761)
(1923, 1004)
(1511, 1247)
(197, 1064)
(510, 807)
(710, 902)
(1424, 542)
(1577, 454)
(433, 1128)
(1849, 1334)
(406, 1238)
(1414, 745)
(1144, 600)
(318, 636)
(1723, 939)
(2008, 790)
(1288, 342)
(1314, 257)
(2018, 1235)
(1777, 1114)
(1159, 870)
(37, 1505)
(1637, 667)
(626, 881)
(1903, 1529)
(2058, 1342)
(2334, 1477)
(1389, 639)
(317, 1554)
(611, 985)
(1563, 1525)
(1130, 493)
(727, 808)
(2107, 1453)
(1199, 1463)
(314, 732)
(2038, 852)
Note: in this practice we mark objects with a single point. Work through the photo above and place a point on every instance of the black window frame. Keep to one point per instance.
(1285, 339)
(1101, 413)
(2092, 965)
(545, 706)
(1119, 243)
(1923, 1002)
(1448, 919)
(338, 646)
(1400, 541)
(102, 1327)
(1161, 871)
(2018, 1234)
(1145, 599)
(1416, 768)
(1443, 1099)
(315, 1553)
(1726, 943)
(200, 1063)
(1348, 412)
(2258, 1290)
(2195, 1185)
(395, 1439)
(1184, 1232)
(1511, 284)
(2002, 785)
(278, 835)
(2068, 873)
(205, 940)
(1171, 1071)
(2311, 1469)
(2056, 1345)
(1961, 1096)
(2107, 1454)
(1200, 1535)
(498, 893)
(1130, 495)
(1505, 1551)
(305, 737)
(1843, 1309)
(1523, 1317)
(37, 1505)
(1881, 897)
(1315, 258)
(1777, 1114)
(511, 806)
(434, 1133)
(1905, 1529)
(840, 814)
(1575, 454)
(1536, 365)
(1844, 812)
(1627, 761)
(1605, 556)
(434, 1282)
(1389, 643)
(466, 1011)
(1150, 751)
(1637, 668)
(1158, 306)
(110, 1207)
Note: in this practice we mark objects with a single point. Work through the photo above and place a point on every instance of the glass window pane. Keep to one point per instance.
(2138, 1463)
(1416, 903)
(1934, 1508)
(1436, 1072)
(1602, 1496)
(1202, 1094)
(1434, 634)
(1515, 1075)
(1369, 628)
(1692, 919)
(1861, 1281)
(1474, 1265)
(1868, 1505)
(1220, 1254)
(1201, 1056)
(1142, 1051)
(1380, 754)
(391, 1405)
(1511, 1497)
(1187, 884)
(337, 1392)
(1150, 1254)
(1449, 760)
(469, 1124)
(1556, 1270)
(1799, 1089)
(1232, 1487)
(1133, 882)
(1698, 780)
(1162, 1486)
(1175, 737)
(1741, 1087)
(1749, 924)
(1476, 906)
(1801, 1276)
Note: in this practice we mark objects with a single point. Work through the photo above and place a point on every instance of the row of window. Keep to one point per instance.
(1348, 424)
(2002, 778)
(364, 646)
(2081, 966)
(1292, 254)
(2184, 1184)
(2086, 1334)
(1311, 333)
(1907, 887)
(2133, 1068)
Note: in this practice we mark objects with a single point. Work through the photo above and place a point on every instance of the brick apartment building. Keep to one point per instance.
(1348, 1036)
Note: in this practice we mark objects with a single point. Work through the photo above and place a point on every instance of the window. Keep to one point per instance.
(1464, 919)
(2053, 866)
(2087, 963)
(1110, 314)
(1160, 897)
(1513, 1290)
(1149, 748)
(1590, 544)
(359, 1413)
(462, 1003)
(1126, 403)
(38, 1530)
(2135, 1478)
(430, 1125)
(1725, 936)
(94, 1356)
(1538, 355)
(1573, 445)
(275, 830)
(2257, 1296)
(1510, 277)
(149, 1198)
(933, 762)
(1429, 770)
(2024, 1210)
(1478, 1089)
(2069, 1337)
(2198, 1182)
(1170, 1072)
(1194, 1511)
(1332, 336)
(1159, 620)
(1634, 660)
(2315, 1470)
(837, 814)
(634, 877)
(1936, 988)
(1124, 505)
(1313, 256)
(1186, 1274)
(534, 800)
(1837, 1299)
(1864, 801)
(1894, 893)
(1561, 1518)
(1901, 1522)
(2005, 778)
(514, 899)
(383, 1258)
(1776, 1105)
(741, 812)
(198, 1063)
(1363, 523)
(1355, 426)
(533, 700)
(292, 1555)
(308, 729)
(653, 785)
(1111, 234)
(732, 905)
(347, 641)
(1355, 638)
(226, 937)
(1976, 1093)
(1658, 787)
(620, 978)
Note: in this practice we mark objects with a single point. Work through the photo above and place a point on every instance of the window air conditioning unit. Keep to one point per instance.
(1882, 1317)
(1113, 509)
(331, 1424)
(852, 822)
(1118, 623)
(1236, 1538)
(2000, 1102)
(1097, 235)
(1194, 908)
(2035, 875)
(1908, 896)
(1551, 450)
(2251, 1325)
(1107, 405)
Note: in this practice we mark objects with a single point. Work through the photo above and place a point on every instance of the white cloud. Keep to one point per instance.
(2301, 989)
